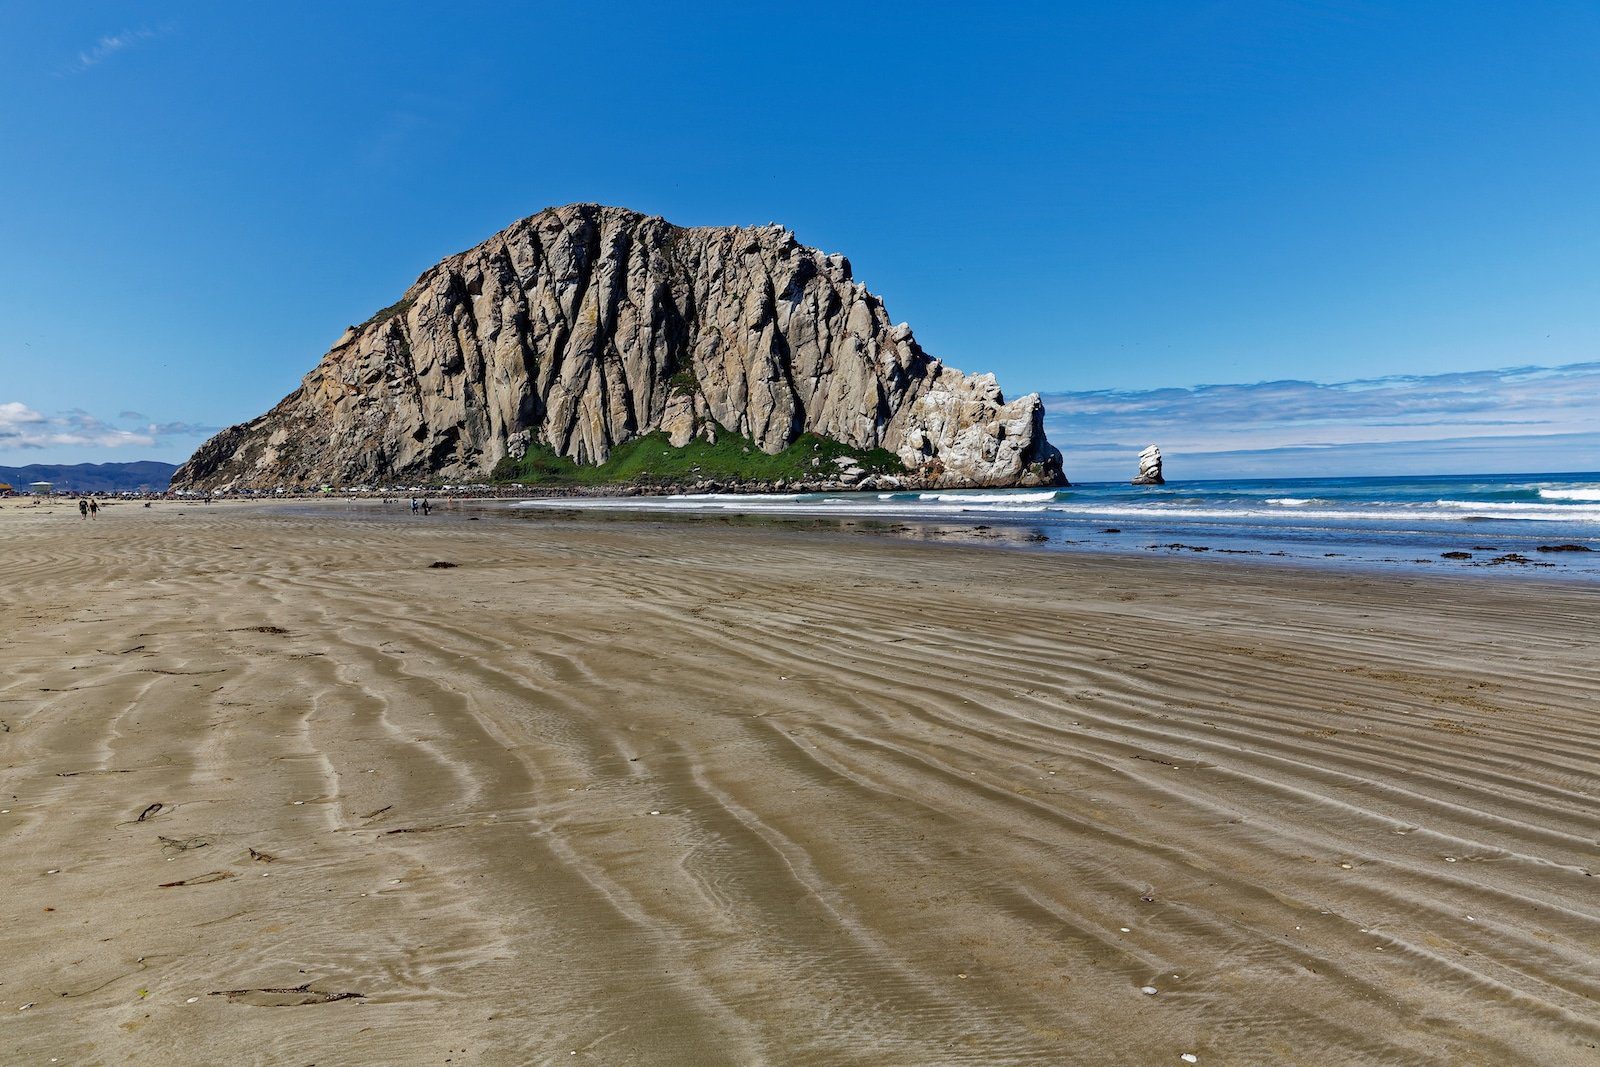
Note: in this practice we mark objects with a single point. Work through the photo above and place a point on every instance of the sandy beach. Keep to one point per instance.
(278, 790)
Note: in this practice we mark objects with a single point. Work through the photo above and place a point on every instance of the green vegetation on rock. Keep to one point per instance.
(651, 460)
(685, 382)
(399, 307)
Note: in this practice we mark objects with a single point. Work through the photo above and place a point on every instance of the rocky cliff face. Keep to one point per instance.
(583, 327)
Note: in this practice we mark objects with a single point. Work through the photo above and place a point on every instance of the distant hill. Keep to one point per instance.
(92, 477)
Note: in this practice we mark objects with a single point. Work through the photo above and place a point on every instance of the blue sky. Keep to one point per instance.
(1101, 199)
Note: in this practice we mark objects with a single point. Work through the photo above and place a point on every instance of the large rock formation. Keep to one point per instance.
(582, 327)
(1149, 467)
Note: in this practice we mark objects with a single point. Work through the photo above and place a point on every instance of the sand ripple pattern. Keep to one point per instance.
(619, 792)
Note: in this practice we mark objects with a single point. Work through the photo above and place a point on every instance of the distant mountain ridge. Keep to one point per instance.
(585, 328)
(93, 477)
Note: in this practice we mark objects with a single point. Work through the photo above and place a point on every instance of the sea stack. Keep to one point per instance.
(1149, 467)
(584, 327)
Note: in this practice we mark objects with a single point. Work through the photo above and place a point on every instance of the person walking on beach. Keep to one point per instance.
(413, 505)
(94, 508)
(83, 507)
(424, 505)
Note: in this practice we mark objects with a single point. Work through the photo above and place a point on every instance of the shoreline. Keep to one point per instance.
(1147, 542)
(776, 795)
(1014, 535)
(1018, 535)
(1511, 524)
(999, 532)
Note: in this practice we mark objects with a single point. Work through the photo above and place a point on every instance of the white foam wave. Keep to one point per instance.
(1288, 501)
(1514, 510)
(718, 497)
(1387, 515)
(1278, 511)
(989, 498)
(1570, 494)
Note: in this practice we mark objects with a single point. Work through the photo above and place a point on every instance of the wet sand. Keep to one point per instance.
(630, 792)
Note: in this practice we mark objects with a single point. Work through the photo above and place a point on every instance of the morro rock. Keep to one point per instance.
(1149, 467)
(583, 327)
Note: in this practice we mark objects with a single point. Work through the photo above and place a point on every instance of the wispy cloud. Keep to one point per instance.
(109, 45)
(1100, 430)
(21, 427)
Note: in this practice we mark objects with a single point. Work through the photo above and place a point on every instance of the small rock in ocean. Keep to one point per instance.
(1149, 467)
(1455, 555)
(1565, 548)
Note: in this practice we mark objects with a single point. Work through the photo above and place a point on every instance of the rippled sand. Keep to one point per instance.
(631, 792)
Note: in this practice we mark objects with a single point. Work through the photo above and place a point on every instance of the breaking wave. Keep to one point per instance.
(1570, 494)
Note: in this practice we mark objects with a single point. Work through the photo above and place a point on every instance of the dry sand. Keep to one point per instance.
(634, 792)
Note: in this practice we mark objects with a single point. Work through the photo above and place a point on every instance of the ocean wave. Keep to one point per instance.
(732, 496)
(1155, 511)
(1387, 514)
(1290, 501)
(991, 498)
(1520, 509)
(652, 501)
(1570, 494)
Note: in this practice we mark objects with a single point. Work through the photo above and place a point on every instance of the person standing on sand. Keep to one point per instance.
(413, 505)
(83, 507)
(94, 508)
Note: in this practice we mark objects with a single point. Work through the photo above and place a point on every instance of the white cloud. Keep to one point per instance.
(21, 427)
(109, 45)
(1099, 430)
(15, 415)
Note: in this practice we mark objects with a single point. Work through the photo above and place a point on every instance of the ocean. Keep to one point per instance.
(1527, 524)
